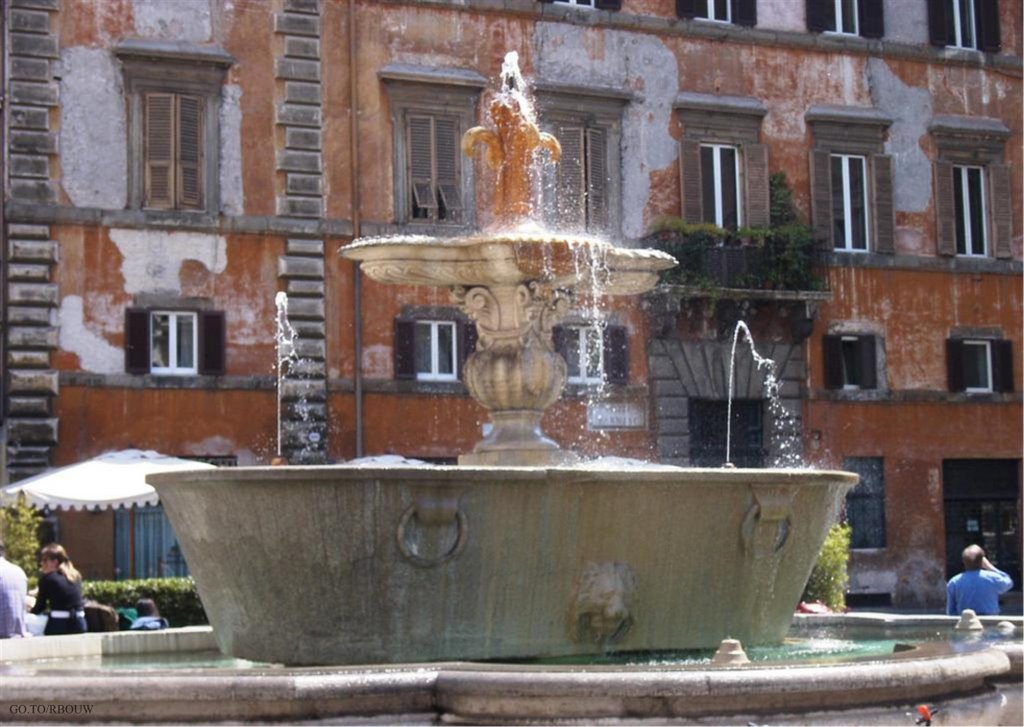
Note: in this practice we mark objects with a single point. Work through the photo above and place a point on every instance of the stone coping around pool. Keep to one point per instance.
(113, 643)
(894, 620)
(498, 694)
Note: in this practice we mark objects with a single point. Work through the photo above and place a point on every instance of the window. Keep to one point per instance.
(972, 24)
(724, 169)
(740, 12)
(849, 202)
(436, 351)
(850, 362)
(720, 177)
(973, 200)
(584, 354)
(852, 204)
(581, 192)
(847, 17)
(980, 365)
(430, 110)
(174, 342)
(432, 344)
(593, 353)
(969, 202)
(599, 4)
(173, 100)
(433, 163)
(865, 503)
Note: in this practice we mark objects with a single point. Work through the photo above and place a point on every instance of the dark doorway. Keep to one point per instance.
(708, 420)
(981, 507)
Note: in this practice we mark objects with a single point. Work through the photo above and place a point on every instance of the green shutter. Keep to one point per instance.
(689, 171)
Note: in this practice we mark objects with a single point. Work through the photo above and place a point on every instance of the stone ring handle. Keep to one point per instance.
(755, 521)
(430, 511)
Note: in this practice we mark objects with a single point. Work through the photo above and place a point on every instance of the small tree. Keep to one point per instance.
(20, 524)
(829, 578)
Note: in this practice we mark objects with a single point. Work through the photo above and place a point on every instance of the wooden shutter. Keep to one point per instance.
(570, 197)
(832, 346)
(986, 14)
(158, 150)
(447, 164)
(689, 170)
(558, 340)
(686, 8)
(744, 12)
(608, 4)
(189, 187)
(212, 343)
(755, 159)
(616, 355)
(420, 142)
(955, 364)
(597, 180)
(405, 349)
(884, 207)
(938, 31)
(1002, 365)
(945, 209)
(136, 341)
(821, 196)
(818, 15)
(868, 369)
(467, 343)
(1002, 209)
(871, 18)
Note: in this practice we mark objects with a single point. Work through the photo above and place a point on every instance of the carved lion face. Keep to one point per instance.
(602, 610)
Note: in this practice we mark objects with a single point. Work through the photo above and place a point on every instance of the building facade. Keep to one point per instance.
(172, 167)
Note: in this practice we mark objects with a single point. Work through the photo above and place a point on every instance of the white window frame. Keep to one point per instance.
(172, 343)
(960, 22)
(987, 346)
(847, 245)
(435, 350)
(965, 200)
(586, 376)
(716, 164)
(837, 6)
(710, 16)
(588, 4)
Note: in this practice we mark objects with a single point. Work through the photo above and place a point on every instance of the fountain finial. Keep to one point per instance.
(510, 147)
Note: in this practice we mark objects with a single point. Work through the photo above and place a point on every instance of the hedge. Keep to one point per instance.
(175, 597)
(829, 578)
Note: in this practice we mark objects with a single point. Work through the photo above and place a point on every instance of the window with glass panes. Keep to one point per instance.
(849, 202)
(720, 175)
(584, 354)
(436, 351)
(865, 503)
(174, 343)
(842, 16)
(969, 205)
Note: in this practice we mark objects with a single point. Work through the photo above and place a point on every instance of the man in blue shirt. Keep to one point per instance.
(978, 587)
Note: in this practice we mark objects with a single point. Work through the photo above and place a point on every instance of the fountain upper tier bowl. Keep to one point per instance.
(510, 258)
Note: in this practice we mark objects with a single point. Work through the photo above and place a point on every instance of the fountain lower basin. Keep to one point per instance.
(357, 565)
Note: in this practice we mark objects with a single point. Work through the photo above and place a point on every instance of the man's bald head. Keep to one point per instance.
(973, 557)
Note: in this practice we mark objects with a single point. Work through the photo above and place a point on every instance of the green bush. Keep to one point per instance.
(829, 578)
(175, 597)
(19, 524)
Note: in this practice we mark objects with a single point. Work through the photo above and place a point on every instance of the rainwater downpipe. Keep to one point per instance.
(357, 279)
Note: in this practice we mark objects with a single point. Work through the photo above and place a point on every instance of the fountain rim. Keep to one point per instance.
(462, 475)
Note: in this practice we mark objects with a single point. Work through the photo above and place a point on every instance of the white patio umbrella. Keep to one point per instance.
(111, 480)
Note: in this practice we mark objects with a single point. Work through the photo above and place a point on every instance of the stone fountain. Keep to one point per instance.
(516, 552)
